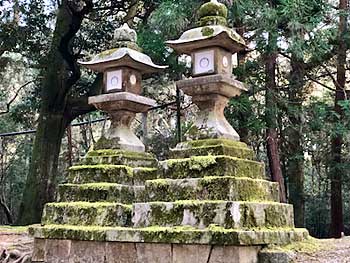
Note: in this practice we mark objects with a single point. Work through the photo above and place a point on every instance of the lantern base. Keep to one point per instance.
(211, 94)
(122, 108)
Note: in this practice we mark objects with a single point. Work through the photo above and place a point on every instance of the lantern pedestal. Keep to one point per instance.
(211, 94)
(122, 108)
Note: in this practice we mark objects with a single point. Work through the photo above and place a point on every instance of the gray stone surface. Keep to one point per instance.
(122, 108)
(211, 94)
(66, 251)
(191, 253)
(154, 253)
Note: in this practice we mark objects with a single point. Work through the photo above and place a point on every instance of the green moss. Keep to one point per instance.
(121, 153)
(215, 150)
(212, 188)
(85, 213)
(202, 166)
(97, 192)
(213, 9)
(212, 21)
(183, 235)
(102, 167)
(13, 229)
(106, 53)
(207, 31)
(309, 245)
(212, 142)
(120, 174)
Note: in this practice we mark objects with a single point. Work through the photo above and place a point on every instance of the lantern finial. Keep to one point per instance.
(213, 13)
(125, 33)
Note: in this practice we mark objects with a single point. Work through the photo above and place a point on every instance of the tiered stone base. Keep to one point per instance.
(211, 197)
(53, 250)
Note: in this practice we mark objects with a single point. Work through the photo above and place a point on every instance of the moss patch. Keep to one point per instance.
(121, 174)
(212, 21)
(213, 9)
(212, 188)
(98, 192)
(85, 213)
(207, 31)
(211, 142)
(230, 215)
(202, 166)
(215, 150)
(309, 245)
(14, 229)
(175, 235)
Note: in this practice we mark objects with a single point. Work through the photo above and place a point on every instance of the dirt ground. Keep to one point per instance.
(332, 251)
(15, 245)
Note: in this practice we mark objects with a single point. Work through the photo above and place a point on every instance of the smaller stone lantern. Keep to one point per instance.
(211, 47)
(123, 68)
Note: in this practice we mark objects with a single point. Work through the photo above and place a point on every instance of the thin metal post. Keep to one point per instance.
(178, 115)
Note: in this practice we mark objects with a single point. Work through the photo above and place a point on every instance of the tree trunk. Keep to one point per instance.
(271, 109)
(295, 162)
(61, 74)
(336, 169)
(7, 212)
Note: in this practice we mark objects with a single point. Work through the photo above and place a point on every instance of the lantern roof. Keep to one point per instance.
(212, 31)
(125, 54)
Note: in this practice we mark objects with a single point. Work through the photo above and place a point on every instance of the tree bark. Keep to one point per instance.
(295, 162)
(61, 74)
(271, 109)
(336, 169)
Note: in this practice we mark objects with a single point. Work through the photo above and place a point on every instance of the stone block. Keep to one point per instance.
(107, 173)
(115, 157)
(87, 252)
(85, 214)
(57, 251)
(214, 150)
(234, 254)
(191, 253)
(202, 214)
(121, 252)
(212, 188)
(154, 253)
(98, 192)
(203, 166)
(39, 250)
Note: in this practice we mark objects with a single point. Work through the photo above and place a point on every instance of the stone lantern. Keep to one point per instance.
(211, 47)
(123, 68)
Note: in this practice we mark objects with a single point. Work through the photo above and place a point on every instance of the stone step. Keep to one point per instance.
(201, 166)
(100, 192)
(172, 235)
(225, 188)
(119, 157)
(87, 214)
(120, 174)
(217, 147)
(202, 214)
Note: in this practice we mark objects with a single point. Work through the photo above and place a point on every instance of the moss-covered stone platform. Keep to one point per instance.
(212, 193)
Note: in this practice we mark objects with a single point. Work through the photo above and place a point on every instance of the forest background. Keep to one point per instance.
(296, 114)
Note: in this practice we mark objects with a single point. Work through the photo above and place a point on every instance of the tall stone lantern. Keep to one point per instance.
(211, 47)
(123, 68)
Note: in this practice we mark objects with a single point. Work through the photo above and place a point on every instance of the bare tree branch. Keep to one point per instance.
(8, 105)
